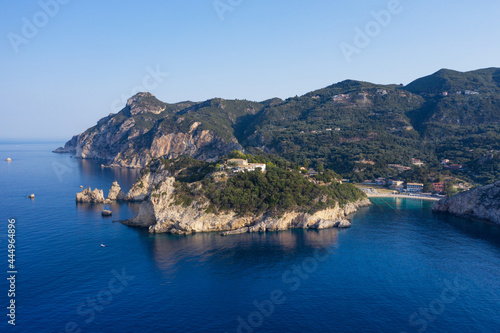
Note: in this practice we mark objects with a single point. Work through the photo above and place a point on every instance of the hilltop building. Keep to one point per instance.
(417, 162)
(243, 165)
(398, 167)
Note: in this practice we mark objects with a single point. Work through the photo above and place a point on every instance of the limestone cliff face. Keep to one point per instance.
(481, 203)
(161, 214)
(144, 130)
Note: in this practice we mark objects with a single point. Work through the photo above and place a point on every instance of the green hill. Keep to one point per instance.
(447, 115)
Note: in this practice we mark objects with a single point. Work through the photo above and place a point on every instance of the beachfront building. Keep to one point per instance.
(414, 187)
(397, 185)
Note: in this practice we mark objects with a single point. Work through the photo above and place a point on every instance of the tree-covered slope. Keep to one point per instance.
(280, 189)
(447, 115)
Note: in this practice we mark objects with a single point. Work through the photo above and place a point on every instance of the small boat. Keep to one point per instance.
(103, 245)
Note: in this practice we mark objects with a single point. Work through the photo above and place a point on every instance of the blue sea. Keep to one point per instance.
(400, 268)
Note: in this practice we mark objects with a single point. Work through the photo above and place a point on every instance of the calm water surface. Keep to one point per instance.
(400, 268)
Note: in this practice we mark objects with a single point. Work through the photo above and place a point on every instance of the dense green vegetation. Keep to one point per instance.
(426, 120)
(431, 119)
(276, 191)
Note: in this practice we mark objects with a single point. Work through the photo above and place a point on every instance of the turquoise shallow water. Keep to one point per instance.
(400, 268)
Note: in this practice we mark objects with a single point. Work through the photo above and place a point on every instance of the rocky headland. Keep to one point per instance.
(148, 128)
(163, 209)
(480, 203)
(162, 212)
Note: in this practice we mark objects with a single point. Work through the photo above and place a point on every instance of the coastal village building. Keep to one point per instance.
(438, 187)
(398, 167)
(341, 97)
(396, 185)
(365, 161)
(243, 165)
(454, 166)
(311, 172)
(417, 162)
(414, 187)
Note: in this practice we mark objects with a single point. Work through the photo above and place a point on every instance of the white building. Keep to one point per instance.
(414, 187)
(243, 165)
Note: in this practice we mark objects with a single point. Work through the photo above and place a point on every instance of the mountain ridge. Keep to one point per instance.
(338, 125)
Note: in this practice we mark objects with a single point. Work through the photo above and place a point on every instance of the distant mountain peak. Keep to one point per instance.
(143, 102)
(447, 80)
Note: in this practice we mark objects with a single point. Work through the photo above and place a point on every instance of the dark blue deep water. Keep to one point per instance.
(400, 268)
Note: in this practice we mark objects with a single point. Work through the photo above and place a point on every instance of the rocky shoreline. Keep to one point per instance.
(480, 203)
(159, 212)
(160, 216)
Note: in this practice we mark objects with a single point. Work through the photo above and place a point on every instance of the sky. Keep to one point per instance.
(65, 64)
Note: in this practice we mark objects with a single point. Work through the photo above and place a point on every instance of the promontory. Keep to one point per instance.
(481, 203)
(237, 195)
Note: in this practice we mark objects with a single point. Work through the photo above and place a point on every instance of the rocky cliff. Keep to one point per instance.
(481, 203)
(161, 212)
(148, 128)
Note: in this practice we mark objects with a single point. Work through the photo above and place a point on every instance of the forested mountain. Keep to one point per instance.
(447, 115)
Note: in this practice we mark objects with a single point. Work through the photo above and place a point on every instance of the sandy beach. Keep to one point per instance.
(383, 195)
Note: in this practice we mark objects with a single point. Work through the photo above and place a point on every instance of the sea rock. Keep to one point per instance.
(106, 213)
(343, 223)
(89, 196)
(481, 203)
(115, 192)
